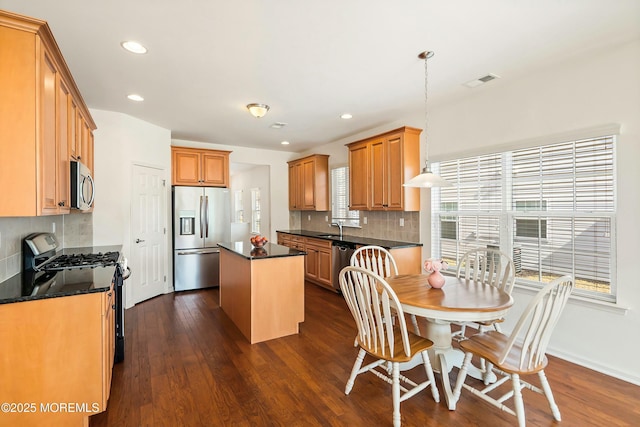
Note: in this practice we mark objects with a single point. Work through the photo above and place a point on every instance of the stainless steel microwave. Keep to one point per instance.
(82, 187)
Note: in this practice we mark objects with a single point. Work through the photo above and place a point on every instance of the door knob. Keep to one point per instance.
(139, 241)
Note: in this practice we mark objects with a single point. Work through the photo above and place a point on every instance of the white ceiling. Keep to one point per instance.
(311, 60)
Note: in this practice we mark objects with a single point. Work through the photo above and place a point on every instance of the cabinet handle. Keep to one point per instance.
(139, 241)
(113, 306)
(79, 158)
(60, 203)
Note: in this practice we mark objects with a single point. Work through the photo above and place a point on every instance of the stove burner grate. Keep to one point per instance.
(73, 261)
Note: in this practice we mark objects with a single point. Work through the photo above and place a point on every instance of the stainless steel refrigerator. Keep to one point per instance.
(201, 219)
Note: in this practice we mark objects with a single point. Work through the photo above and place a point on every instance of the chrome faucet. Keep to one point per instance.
(339, 224)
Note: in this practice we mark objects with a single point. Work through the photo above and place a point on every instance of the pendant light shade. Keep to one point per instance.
(426, 179)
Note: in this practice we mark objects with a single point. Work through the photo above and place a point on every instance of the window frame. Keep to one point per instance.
(509, 213)
(352, 217)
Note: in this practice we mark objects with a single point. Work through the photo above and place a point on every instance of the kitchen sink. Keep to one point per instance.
(329, 236)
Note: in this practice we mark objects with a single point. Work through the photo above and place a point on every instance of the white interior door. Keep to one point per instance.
(148, 233)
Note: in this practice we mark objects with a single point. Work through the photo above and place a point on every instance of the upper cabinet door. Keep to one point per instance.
(215, 169)
(308, 185)
(395, 173)
(359, 177)
(48, 153)
(379, 181)
(62, 128)
(186, 168)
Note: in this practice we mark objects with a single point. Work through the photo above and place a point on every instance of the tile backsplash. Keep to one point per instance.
(380, 224)
(73, 230)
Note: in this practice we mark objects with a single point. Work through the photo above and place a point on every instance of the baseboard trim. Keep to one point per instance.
(590, 364)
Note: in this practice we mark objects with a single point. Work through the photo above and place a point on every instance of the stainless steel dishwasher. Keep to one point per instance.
(340, 258)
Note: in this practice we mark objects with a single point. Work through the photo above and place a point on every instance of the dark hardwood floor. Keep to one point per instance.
(186, 364)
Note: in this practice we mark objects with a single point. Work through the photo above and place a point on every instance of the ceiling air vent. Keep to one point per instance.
(278, 125)
(481, 80)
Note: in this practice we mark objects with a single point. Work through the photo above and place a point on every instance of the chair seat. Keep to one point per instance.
(490, 345)
(416, 342)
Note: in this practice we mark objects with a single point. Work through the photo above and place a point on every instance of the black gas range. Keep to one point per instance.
(48, 271)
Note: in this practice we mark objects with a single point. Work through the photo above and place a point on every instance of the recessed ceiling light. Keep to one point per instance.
(346, 116)
(135, 97)
(285, 143)
(134, 47)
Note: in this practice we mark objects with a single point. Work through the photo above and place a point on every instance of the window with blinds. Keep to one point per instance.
(551, 207)
(340, 198)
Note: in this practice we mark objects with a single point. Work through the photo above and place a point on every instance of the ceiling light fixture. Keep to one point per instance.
(346, 116)
(258, 110)
(278, 125)
(426, 179)
(135, 97)
(134, 47)
(285, 143)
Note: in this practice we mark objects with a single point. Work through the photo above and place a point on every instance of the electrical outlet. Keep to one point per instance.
(53, 227)
(326, 218)
(401, 222)
(364, 220)
(308, 217)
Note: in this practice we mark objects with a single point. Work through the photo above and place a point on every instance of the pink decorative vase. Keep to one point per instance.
(436, 280)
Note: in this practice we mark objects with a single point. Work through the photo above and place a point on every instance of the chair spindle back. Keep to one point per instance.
(371, 301)
(538, 321)
(490, 266)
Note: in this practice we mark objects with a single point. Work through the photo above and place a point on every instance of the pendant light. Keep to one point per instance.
(426, 179)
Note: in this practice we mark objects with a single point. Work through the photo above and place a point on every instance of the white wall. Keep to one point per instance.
(120, 142)
(572, 97)
(278, 177)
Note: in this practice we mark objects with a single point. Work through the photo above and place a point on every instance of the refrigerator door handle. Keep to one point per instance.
(201, 224)
(206, 210)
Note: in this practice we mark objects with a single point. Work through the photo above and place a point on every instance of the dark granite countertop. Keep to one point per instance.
(29, 285)
(270, 250)
(387, 244)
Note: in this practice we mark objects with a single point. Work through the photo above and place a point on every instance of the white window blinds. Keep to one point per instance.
(340, 198)
(551, 207)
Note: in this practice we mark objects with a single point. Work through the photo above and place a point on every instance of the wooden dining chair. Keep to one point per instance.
(488, 266)
(379, 261)
(372, 302)
(520, 353)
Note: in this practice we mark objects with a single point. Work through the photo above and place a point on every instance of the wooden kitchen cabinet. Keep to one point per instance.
(378, 168)
(206, 168)
(36, 118)
(318, 269)
(359, 176)
(309, 183)
(62, 350)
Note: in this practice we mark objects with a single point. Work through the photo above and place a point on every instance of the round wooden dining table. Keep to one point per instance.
(457, 301)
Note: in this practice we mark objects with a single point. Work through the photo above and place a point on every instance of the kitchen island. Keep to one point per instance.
(262, 289)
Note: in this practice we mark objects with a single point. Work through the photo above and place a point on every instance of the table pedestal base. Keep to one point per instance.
(443, 357)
